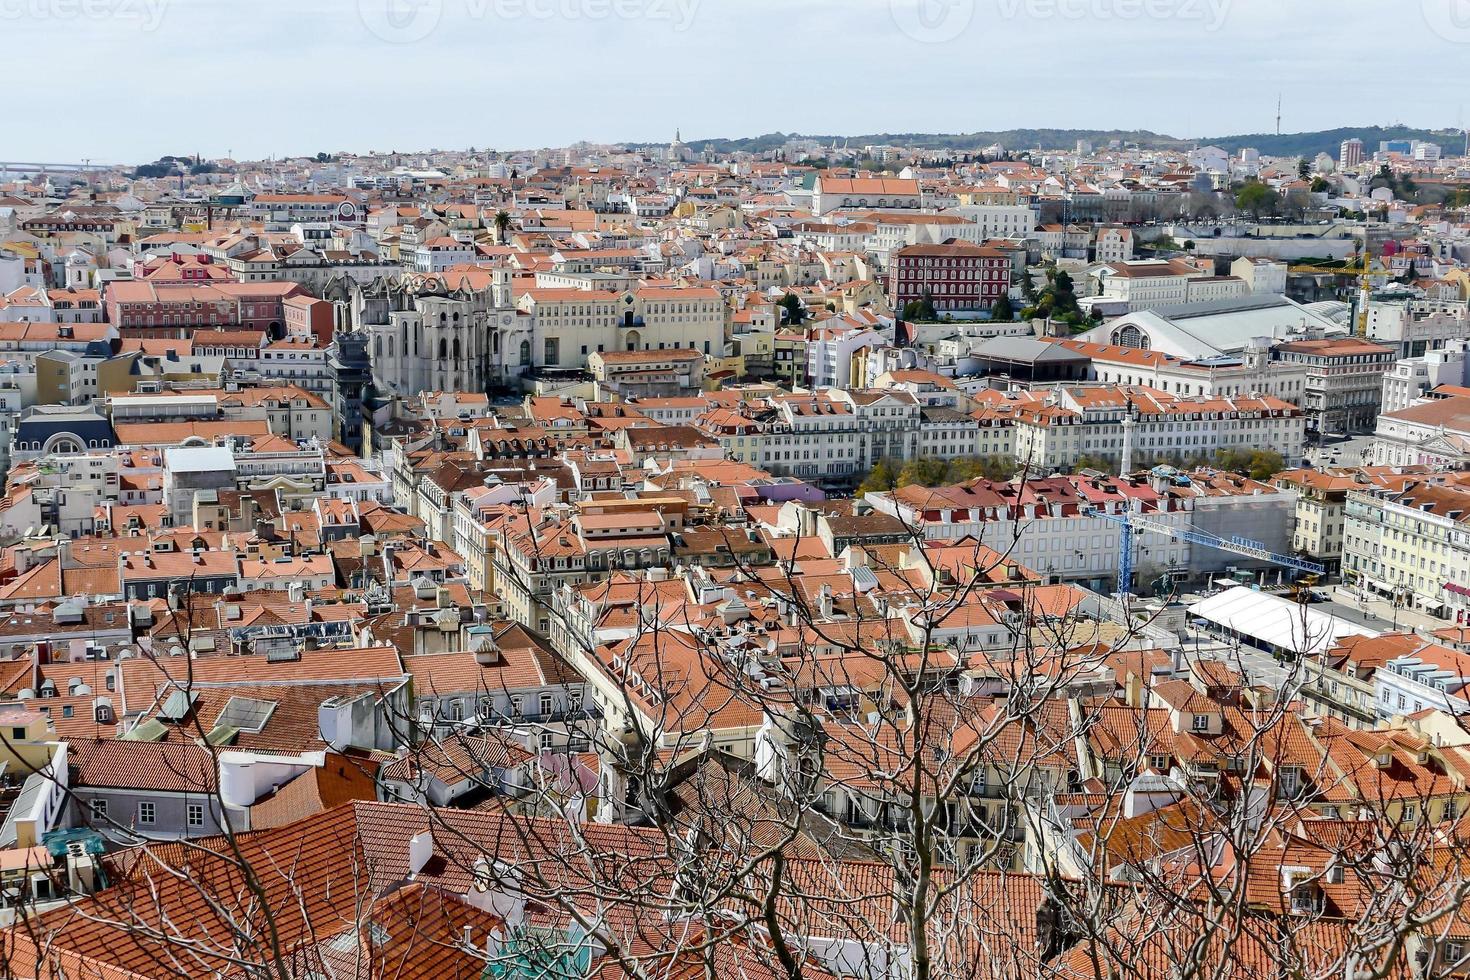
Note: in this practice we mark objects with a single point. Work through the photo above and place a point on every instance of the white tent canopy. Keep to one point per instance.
(1276, 622)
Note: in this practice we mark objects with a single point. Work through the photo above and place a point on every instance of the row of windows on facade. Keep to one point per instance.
(147, 813)
(551, 351)
(454, 707)
(63, 445)
(595, 559)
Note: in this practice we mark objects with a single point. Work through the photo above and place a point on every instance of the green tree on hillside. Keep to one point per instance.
(926, 471)
(1002, 311)
(930, 471)
(1258, 199)
(1258, 464)
(795, 312)
(921, 309)
(881, 478)
(1058, 300)
(1100, 463)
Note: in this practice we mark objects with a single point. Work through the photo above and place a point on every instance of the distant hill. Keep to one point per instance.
(1011, 139)
(1329, 140)
(1015, 140)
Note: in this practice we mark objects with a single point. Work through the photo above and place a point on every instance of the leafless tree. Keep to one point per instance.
(914, 764)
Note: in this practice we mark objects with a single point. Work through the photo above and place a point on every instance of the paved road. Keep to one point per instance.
(1339, 609)
(1340, 452)
(1382, 615)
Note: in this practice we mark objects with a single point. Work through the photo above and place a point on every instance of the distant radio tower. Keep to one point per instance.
(1278, 113)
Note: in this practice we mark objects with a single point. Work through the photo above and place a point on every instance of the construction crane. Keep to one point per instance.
(1130, 524)
(1362, 271)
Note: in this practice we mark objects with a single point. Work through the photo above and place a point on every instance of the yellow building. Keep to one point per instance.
(720, 369)
(29, 747)
(861, 294)
(28, 743)
(1462, 278)
(121, 374)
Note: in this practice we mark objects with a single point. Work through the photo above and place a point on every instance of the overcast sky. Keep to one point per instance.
(123, 81)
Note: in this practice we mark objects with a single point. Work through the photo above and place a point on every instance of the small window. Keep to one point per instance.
(146, 813)
(196, 814)
(1201, 723)
(545, 703)
(98, 808)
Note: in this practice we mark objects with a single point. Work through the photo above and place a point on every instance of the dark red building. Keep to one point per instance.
(146, 309)
(957, 275)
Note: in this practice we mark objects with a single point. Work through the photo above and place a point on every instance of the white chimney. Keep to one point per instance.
(420, 849)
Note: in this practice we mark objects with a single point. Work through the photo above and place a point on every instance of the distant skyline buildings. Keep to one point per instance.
(893, 148)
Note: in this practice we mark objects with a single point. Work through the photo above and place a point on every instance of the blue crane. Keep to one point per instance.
(1130, 524)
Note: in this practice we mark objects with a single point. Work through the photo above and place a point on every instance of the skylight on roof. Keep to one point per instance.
(245, 714)
(177, 705)
(151, 730)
